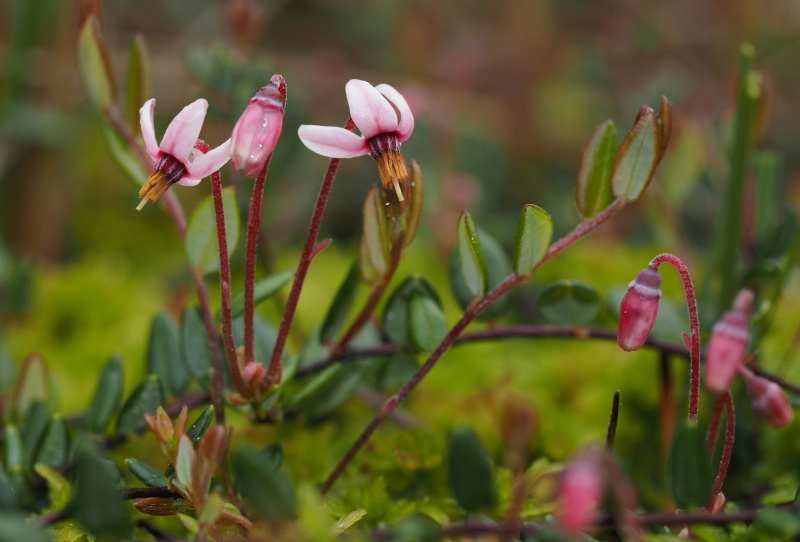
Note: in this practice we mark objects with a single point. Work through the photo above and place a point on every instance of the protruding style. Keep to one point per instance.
(638, 309)
(728, 344)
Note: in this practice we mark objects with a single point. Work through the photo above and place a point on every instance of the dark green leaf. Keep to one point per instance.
(263, 290)
(471, 262)
(123, 155)
(202, 244)
(34, 429)
(55, 445)
(396, 370)
(499, 267)
(569, 302)
(689, 468)
(426, 321)
(416, 203)
(194, 346)
(471, 471)
(200, 425)
(146, 473)
(145, 399)
(33, 384)
(14, 528)
(164, 357)
(8, 496)
(534, 233)
(140, 79)
(107, 396)
(395, 315)
(93, 64)
(324, 392)
(341, 305)
(638, 157)
(593, 192)
(417, 528)
(373, 250)
(268, 491)
(12, 448)
(779, 524)
(98, 504)
(273, 455)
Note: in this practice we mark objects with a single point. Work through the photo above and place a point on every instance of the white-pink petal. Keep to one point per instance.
(332, 141)
(406, 124)
(148, 128)
(182, 132)
(204, 165)
(371, 112)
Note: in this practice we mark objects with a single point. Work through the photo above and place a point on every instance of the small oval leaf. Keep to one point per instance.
(107, 396)
(194, 346)
(593, 192)
(395, 315)
(638, 157)
(200, 425)
(94, 65)
(534, 233)
(146, 473)
(140, 79)
(688, 467)
(568, 302)
(373, 250)
(201, 243)
(263, 290)
(471, 262)
(426, 322)
(123, 155)
(164, 357)
(416, 203)
(470, 471)
(341, 305)
(145, 399)
(55, 445)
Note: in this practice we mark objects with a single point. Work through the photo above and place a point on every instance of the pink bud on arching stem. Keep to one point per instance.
(728, 344)
(638, 309)
(768, 400)
(257, 130)
(580, 493)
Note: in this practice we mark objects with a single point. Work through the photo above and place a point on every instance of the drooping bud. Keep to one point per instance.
(580, 493)
(769, 400)
(638, 309)
(728, 344)
(253, 374)
(257, 130)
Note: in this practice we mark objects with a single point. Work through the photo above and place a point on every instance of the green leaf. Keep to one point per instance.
(145, 399)
(9, 498)
(341, 305)
(471, 262)
(164, 357)
(689, 468)
(416, 203)
(534, 233)
(268, 491)
(146, 473)
(569, 302)
(263, 290)
(194, 345)
(14, 528)
(107, 396)
(417, 528)
(55, 445)
(202, 245)
(33, 384)
(13, 451)
(395, 321)
(200, 425)
(593, 192)
(34, 429)
(123, 155)
(426, 321)
(470, 471)
(184, 462)
(93, 64)
(324, 392)
(638, 157)
(373, 250)
(98, 504)
(59, 491)
(140, 79)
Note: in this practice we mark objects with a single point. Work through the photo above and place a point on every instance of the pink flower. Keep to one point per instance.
(385, 121)
(768, 400)
(175, 158)
(580, 493)
(257, 130)
(728, 344)
(638, 309)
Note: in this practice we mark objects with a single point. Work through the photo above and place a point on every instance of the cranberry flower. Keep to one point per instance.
(175, 158)
(257, 130)
(728, 344)
(638, 309)
(385, 121)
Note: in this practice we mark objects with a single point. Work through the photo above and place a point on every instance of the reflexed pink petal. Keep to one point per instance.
(148, 129)
(371, 112)
(406, 125)
(332, 141)
(182, 132)
(206, 164)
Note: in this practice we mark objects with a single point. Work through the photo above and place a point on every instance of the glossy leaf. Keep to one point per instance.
(146, 398)
(146, 473)
(263, 290)
(123, 155)
(593, 192)
(341, 305)
(568, 302)
(107, 397)
(98, 504)
(184, 462)
(471, 471)
(416, 203)
(194, 347)
(499, 267)
(33, 384)
(689, 469)
(471, 262)
(268, 491)
(534, 233)
(426, 321)
(55, 445)
(373, 249)
(200, 425)
(202, 245)
(94, 65)
(395, 321)
(637, 157)
(164, 357)
(140, 79)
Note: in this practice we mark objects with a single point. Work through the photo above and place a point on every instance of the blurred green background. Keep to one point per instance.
(505, 95)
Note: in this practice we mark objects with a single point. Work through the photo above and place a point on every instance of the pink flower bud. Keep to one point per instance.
(579, 494)
(638, 309)
(769, 400)
(257, 130)
(728, 344)
(253, 374)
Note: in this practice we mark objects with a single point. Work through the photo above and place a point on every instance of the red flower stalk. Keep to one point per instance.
(638, 309)
(729, 338)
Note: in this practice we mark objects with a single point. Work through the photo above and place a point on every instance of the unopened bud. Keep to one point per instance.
(769, 401)
(257, 130)
(728, 344)
(718, 503)
(160, 425)
(253, 375)
(638, 309)
(579, 494)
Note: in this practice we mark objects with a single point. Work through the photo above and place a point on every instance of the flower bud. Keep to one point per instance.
(257, 130)
(769, 401)
(638, 309)
(253, 374)
(579, 494)
(728, 344)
